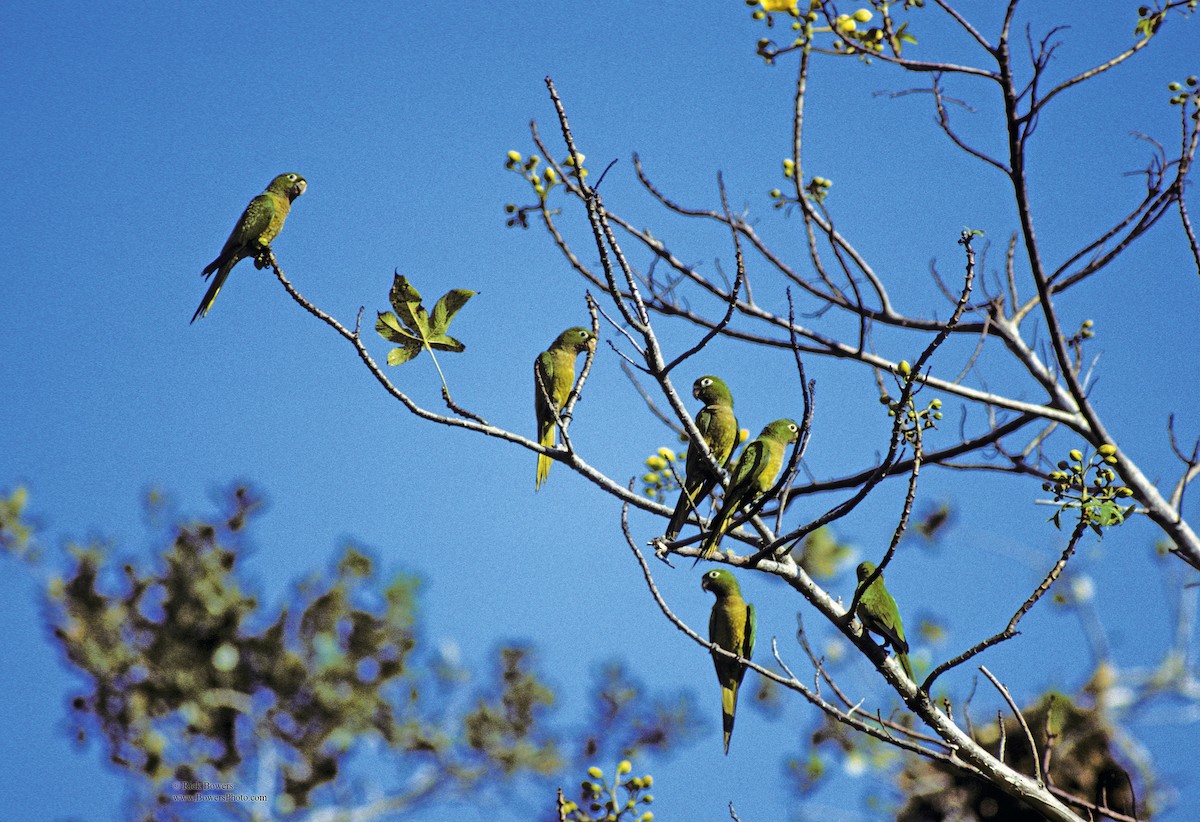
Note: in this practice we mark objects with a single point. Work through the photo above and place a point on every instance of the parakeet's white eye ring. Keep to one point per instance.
(706, 382)
(713, 575)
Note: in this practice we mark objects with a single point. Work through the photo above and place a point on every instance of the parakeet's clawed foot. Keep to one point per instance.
(661, 550)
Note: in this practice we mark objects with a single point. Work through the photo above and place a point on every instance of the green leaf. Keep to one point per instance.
(398, 356)
(407, 302)
(445, 343)
(446, 308)
(390, 329)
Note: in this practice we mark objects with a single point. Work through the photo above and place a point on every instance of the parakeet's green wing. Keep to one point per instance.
(250, 226)
(242, 243)
(543, 389)
(885, 616)
(749, 466)
(737, 430)
(698, 480)
(741, 489)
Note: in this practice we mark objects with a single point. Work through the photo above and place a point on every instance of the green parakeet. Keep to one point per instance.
(554, 370)
(731, 626)
(755, 472)
(719, 427)
(259, 224)
(879, 614)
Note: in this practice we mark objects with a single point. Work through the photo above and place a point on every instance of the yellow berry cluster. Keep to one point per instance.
(601, 802)
(1186, 93)
(914, 419)
(542, 181)
(1091, 486)
(660, 479)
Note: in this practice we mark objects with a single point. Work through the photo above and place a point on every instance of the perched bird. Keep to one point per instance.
(879, 614)
(259, 224)
(553, 376)
(730, 626)
(719, 428)
(753, 475)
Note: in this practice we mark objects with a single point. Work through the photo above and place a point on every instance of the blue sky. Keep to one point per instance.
(134, 135)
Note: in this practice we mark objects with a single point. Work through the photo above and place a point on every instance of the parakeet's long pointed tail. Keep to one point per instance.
(215, 287)
(712, 540)
(906, 666)
(728, 711)
(549, 438)
(687, 501)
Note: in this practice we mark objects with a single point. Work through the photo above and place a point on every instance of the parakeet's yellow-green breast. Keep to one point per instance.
(553, 377)
(731, 625)
(879, 614)
(259, 224)
(755, 472)
(719, 428)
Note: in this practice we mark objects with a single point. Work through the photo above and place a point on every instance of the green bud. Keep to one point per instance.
(863, 16)
(514, 156)
(510, 208)
(650, 479)
(904, 369)
(624, 767)
(1111, 460)
(1124, 492)
(1075, 454)
(594, 773)
(656, 463)
(1174, 87)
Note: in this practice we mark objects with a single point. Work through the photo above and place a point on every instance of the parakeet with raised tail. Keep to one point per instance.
(731, 625)
(553, 377)
(719, 428)
(753, 476)
(259, 224)
(879, 614)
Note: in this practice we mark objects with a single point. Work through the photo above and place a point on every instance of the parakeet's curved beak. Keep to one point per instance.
(696, 391)
(704, 583)
(299, 188)
(591, 344)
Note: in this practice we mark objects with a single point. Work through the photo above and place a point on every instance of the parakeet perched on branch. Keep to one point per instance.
(731, 626)
(753, 476)
(719, 428)
(879, 614)
(553, 377)
(259, 224)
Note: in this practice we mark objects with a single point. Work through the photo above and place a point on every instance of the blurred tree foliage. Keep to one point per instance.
(332, 706)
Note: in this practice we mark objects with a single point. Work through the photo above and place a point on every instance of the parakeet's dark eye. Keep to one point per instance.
(706, 382)
(292, 177)
(713, 574)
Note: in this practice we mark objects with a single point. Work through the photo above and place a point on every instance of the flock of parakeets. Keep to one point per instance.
(732, 624)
